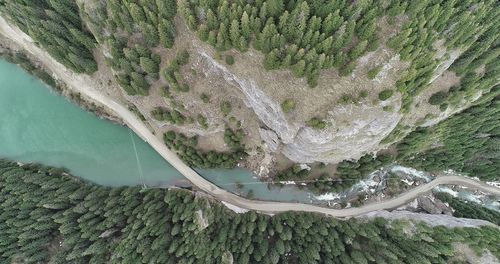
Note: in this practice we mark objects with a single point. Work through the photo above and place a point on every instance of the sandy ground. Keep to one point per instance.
(85, 85)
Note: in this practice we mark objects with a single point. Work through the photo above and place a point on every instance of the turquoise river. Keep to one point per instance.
(38, 125)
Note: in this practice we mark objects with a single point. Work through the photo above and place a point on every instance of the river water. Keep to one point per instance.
(38, 125)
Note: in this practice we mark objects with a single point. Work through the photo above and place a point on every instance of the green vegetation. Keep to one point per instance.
(346, 99)
(128, 30)
(234, 139)
(467, 142)
(48, 217)
(187, 150)
(225, 108)
(294, 172)
(307, 36)
(373, 72)
(463, 24)
(303, 36)
(385, 94)
(229, 59)
(350, 172)
(137, 66)
(438, 98)
(135, 110)
(443, 106)
(317, 123)
(469, 209)
(202, 120)
(173, 116)
(288, 105)
(57, 27)
(395, 185)
(205, 98)
(363, 94)
(349, 99)
(172, 72)
(388, 108)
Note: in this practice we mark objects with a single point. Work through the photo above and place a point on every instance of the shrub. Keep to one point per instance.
(346, 99)
(347, 69)
(294, 172)
(443, 107)
(183, 57)
(229, 59)
(205, 97)
(438, 98)
(202, 121)
(184, 88)
(163, 114)
(373, 72)
(165, 91)
(233, 139)
(187, 149)
(288, 105)
(385, 94)
(388, 108)
(172, 72)
(225, 107)
(317, 123)
(363, 94)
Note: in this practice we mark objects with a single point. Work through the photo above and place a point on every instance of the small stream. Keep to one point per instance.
(489, 201)
(376, 182)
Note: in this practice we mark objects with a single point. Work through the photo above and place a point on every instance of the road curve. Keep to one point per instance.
(84, 84)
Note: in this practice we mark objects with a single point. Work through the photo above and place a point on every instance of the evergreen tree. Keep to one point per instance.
(148, 65)
(275, 7)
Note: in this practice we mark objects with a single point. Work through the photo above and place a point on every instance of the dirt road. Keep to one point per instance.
(84, 84)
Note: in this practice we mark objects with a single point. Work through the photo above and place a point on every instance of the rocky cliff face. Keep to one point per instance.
(430, 219)
(268, 111)
(354, 129)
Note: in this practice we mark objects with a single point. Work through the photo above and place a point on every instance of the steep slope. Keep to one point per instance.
(294, 82)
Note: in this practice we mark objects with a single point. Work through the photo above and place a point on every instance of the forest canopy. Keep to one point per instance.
(57, 26)
(47, 216)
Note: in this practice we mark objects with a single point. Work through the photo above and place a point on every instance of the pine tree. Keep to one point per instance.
(203, 32)
(271, 61)
(166, 33)
(212, 38)
(148, 65)
(245, 26)
(275, 7)
(234, 33)
(212, 22)
(136, 13)
(358, 50)
(299, 68)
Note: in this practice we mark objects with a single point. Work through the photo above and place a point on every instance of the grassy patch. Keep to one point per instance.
(374, 72)
(317, 123)
(385, 94)
(205, 98)
(229, 59)
(438, 98)
(288, 105)
(225, 107)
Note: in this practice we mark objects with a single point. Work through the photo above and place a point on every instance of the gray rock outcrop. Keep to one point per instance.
(354, 129)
